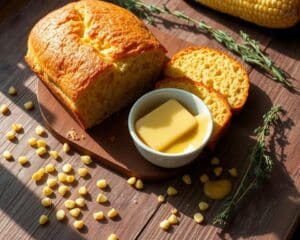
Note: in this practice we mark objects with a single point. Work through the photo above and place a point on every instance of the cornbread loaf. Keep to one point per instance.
(216, 103)
(214, 69)
(95, 57)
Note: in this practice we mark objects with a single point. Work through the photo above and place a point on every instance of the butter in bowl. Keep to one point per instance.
(170, 127)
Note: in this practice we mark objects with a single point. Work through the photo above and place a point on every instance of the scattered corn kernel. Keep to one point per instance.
(47, 191)
(187, 179)
(41, 151)
(41, 143)
(67, 168)
(39, 130)
(32, 142)
(161, 199)
(215, 161)
(171, 191)
(101, 198)
(173, 219)
(80, 202)
(203, 206)
(52, 182)
(139, 184)
(204, 178)
(198, 218)
(79, 224)
(174, 211)
(17, 127)
(218, 171)
(12, 91)
(28, 105)
(165, 225)
(83, 191)
(70, 204)
(233, 172)
(113, 237)
(4, 109)
(50, 168)
(131, 180)
(62, 177)
(38, 174)
(60, 215)
(86, 159)
(43, 219)
(54, 154)
(101, 183)
(23, 160)
(112, 213)
(7, 155)
(98, 216)
(75, 212)
(46, 202)
(82, 172)
(70, 178)
(11, 135)
(62, 190)
(66, 148)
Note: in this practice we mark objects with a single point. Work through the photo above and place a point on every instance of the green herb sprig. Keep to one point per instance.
(258, 171)
(249, 50)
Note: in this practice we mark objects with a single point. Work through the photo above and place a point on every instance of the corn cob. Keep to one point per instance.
(266, 13)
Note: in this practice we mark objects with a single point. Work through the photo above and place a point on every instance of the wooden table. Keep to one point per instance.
(269, 213)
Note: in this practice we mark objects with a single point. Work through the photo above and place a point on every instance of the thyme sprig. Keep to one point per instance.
(258, 171)
(249, 50)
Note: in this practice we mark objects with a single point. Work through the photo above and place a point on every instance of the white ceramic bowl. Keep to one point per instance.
(150, 101)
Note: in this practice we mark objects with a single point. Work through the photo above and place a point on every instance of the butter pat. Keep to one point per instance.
(165, 124)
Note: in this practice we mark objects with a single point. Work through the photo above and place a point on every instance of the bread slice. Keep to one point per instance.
(216, 103)
(214, 69)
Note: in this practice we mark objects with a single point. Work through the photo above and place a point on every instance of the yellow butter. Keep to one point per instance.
(165, 124)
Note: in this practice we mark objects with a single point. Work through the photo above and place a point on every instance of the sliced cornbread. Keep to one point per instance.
(214, 69)
(216, 103)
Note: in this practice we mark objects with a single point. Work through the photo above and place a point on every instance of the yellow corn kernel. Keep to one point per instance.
(171, 191)
(50, 168)
(173, 219)
(79, 224)
(98, 216)
(17, 127)
(203, 206)
(131, 180)
(218, 171)
(215, 161)
(204, 178)
(112, 213)
(165, 225)
(39, 130)
(38, 174)
(4, 109)
(11, 135)
(233, 172)
(62, 177)
(66, 148)
(46, 202)
(52, 182)
(187, 179)
(86, 159)
(139, 184)
(161, 199)
(28, 105)
(62, 190)
(23, 160)
(198, 218)
(41, 151)
(75, 212)
(32, 142)
(70, 178)
(69, 204)
(60, 215)
(113, 237)
(174, 211)
(101, 183)
(47, 191)
(101, 198)
(83, 172)
(7, 155)
(43, 219)
(80, 202)
(41, 143)
(54, 154)
(82, 191)
(67, 168)
(12, 91)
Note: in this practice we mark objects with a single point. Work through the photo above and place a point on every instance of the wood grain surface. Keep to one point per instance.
(269, 213)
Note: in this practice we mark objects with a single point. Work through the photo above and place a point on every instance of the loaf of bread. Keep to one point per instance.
(216, 103)
(214, 69)
(95, 57)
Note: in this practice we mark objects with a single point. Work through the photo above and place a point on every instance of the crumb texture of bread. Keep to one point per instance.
(216, 103)
(214, 69)
(95, 57)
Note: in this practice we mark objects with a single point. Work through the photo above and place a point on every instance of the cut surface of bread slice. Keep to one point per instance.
(216, 103)
(214, 69)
